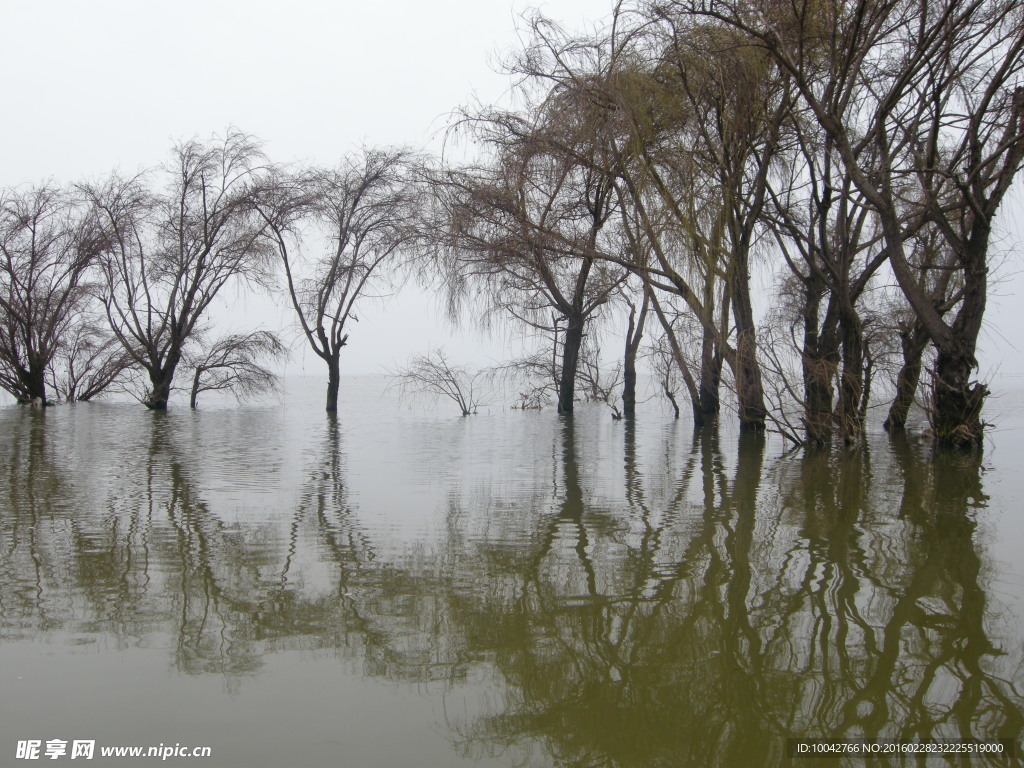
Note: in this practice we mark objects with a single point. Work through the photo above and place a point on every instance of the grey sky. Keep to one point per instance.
(94, 86)
(109, 84)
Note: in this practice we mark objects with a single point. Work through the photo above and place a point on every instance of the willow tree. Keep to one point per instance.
(338, 234)
(48, 245)
(170, 251)
(935, 267)
(90, 360)
(922, 101)
(521, 234)
(737, 102)
(685, 125)
(236, 363)
(830, 242)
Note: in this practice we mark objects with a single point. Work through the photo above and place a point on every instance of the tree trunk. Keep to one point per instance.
(571, 343)
(914, 342)
(819, 368)
(749, 392)
(161, 377)
(160, 392)
(818, 375)
(629, 379)
(710, 377)
(956, 401)
(672, 400)
(711, 358)
(869, 373)
(33, 383)
(851, 382)
(333, 382)
(195, 388)
(634, 335)
(684, 369)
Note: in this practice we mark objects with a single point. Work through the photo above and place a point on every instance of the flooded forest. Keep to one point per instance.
(740, 483)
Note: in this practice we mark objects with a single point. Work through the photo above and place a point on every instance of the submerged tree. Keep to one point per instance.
(360, 212)
(89, 361)
(170, 252)
(434, 374)
(234, 363)
(922, 102)
(725, 137)
(47, 247)
(683, 124)
(521, 235)
(936, 269)
(634, 336)
(829, 240)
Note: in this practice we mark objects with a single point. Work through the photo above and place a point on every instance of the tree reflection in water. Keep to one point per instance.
(712, 604)
(829, 595)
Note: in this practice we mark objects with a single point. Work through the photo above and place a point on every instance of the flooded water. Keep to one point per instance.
(399, 586)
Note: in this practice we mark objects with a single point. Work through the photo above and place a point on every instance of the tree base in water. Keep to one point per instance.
(956, 414)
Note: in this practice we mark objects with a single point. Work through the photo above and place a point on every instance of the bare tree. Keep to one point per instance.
(171, 251)
(534, 376)
(434, 374)
(537, 376)
(634, 336)
(47, 246)
(521, 236)
(598, 381)
(360, 212)
(734, 106)
(684, 123)
(829, 240)
(235, 363)
(661, 360)
(89, 361)
(922, 101)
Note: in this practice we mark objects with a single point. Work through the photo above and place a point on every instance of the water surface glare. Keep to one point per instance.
(398, 586)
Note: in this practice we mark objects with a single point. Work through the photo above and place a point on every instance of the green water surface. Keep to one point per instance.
(398, 586)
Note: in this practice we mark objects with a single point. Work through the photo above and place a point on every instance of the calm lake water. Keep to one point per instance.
(403, 587)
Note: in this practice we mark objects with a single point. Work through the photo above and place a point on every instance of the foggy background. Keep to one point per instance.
(95, 87)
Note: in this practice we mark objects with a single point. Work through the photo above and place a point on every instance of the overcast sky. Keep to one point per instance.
(94, 86)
